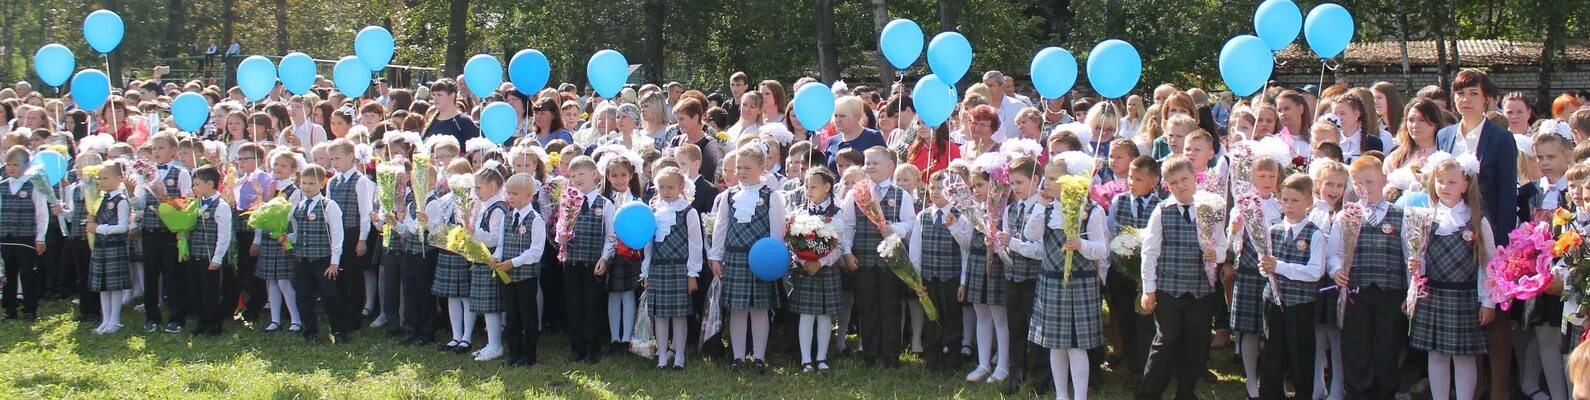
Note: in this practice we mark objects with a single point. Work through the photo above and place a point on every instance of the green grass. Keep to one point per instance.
(58, 358)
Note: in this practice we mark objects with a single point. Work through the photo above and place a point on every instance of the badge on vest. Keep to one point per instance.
(1302, 245)
(152, 208)
(22, 194)
(311, 216)
(111, 206)
(1468, 235)
(171, 181)
(522, 230)
(1387, 228)
(891, 203)
(205, 215)
(598, 210)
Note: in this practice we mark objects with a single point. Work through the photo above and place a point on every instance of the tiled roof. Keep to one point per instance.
(1423, 53)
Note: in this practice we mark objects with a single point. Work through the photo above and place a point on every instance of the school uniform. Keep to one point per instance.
(110, 267)
(1448, 320)
(354, 193)
(273, 262)
(877, 289)
(816, 294)
(593, 241)
(673, 259)
(1324, 217)
(1068, 313)
(1123, 287)
(1173, 269)
(76, 255)
(208, 244)
(393, 270)
(1247, 291)
(485, 289)
(623, 274)
(162, 273)
(1301, 258)
(242, 280)
(746, 214)
(522, 241)
(317, 240)
(418, 261)
(1374, 329)
(452, 270)
(938, 249)
(1024, 221)
(984, 275)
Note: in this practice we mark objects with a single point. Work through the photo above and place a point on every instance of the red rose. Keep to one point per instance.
(811, 235)
(1299, 161)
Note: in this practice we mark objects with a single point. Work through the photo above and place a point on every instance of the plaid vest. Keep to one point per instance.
(1181, 265)
(941, 255)
(485, 217)
(150, 220)
(313, 240)
(675, 248)
(1379, 260)
(16, 216)
(107, 216)
(867, 237)
(742, 235)
(205, 235)
(517, 236)
(1292, 291)
(1054, 255)
(1021, 269)
(345, 192)
(79, 215)
(1122, 208)
(590, 233)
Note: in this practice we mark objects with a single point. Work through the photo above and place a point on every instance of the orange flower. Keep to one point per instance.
(1569, 241)
(1561, 217)
(180, 203)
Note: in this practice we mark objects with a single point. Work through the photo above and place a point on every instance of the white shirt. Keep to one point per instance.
(41, 209)
(1095, 239)
(1026, 237)
(491, 235)
(848, 218)
(1352, 145)
(1317, 252)
(1454, 220)
(123, 216)
(694, 241)
(222, 213)
(538, 238)
(960, 230)
(1008, 108)
(309, 134)
(1154, 241)
(1551, 194)
(775, 218)
(331, 213)
(1471, 139)
(364, 194)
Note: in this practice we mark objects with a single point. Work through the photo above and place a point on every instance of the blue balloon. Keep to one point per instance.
(297, 72)
(374, 46)
(53, 164)
(54, 64)
(607, 72)
(191, 111)
(901, 42)
(769, 259)
(1246, 63)
(351, 76)
(950, 56)
(482, 75)
(634, 224)
(1329, 29)
(90, 89)
(933, 100)
(1277, 22)
(1054, 71)
(256, 76)
(814, 104)
(1114, 68)
(529, 70)
(497, 122)
(104, 30)
(1414, 199)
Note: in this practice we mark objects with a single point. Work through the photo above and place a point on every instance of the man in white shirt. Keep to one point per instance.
(1008, 107)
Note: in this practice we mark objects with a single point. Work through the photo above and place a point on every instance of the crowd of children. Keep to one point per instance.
(1333, 252)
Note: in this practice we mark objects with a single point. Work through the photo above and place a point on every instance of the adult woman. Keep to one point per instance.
(626, 119)
(654, 116)
(1133, 120)
(932, 150)
(77, 123)
(1176, 103)
(1293, 107)
(33, 117)
(750, 120)
(984, 121)
(772, 94)
(692, 129)
(849, 115)
(1104, 126)
(1388, 105)
(521, 107)
(548, 126)
(1564, 106)
(1519, 116)
(1029, 124)
(1417, 136)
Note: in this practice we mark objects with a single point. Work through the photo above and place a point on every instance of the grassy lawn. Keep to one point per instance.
(57, 358)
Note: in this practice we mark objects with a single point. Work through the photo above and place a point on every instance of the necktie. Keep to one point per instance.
(1186, 212)
(164, 167)
(938, 217)
(1142, 205)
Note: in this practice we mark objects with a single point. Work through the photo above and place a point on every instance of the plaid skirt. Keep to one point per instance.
(485, 290)
(622, 275)
(273, 262)
(741, 288)
(668, 291)
(1247, 302)
(1572, 333)
(110, 267)
(1448, 322)
(817, 294)
(1067, 314)
(452, 276)
(984, 287)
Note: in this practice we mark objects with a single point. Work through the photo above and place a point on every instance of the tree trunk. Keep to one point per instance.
(1451, 17)
(114, 60)
(656, 17)
(880, 18)
(228, 17)
(281, 27)
(176, 25)
(827, 53)
(948, 15)
(1402, 34)
(457, 38)
(10, 43)
(1115, 20)
(1554, 30)
(1440, 51)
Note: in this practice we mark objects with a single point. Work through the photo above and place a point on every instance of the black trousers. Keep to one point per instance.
(587, 304)
(309, 279)
(390, 287)
(161, 270)
(1373, 335)
(351, 287)
(419, 306)
(941, 339)
(213, 307)
(878, 310)
(1028, 361)
(25, 279)
(1180, 349)
(60, 278)
(1288, 350)
(76, 255)
(1136, 330)
(552, 316)
(523, 319)
(241, 281)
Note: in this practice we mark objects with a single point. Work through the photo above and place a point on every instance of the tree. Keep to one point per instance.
(457, 37)
(827, 54)
(656, 17)
(947, 15)
(880, 18)
(176, 29)
(281, 27)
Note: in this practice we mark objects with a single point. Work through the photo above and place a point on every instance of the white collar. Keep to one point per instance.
(1293, 228)
(348, 173)
(492, 199)
(1558, 187)
(117, 192)
(524, 211)
(884, 184)
(1451, 219)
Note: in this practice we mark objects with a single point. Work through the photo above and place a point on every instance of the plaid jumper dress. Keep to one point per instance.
(1248, 292)
(985, 274)
(485, 289)
(1293, 249)
(741, 288)
(816, 294)
(1448, 321)
(109, 266)
(1181, 264)
(273, 263)
(1067, 314)
(667, 281)
(452, 271)
(623, 275)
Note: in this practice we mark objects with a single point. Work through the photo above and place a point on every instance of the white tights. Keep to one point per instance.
(1328, 348)
(1074, 361)
(372, 284)
(110, 309)
(739, 319)
(1248, 343)
(1442, 369)
(847, 301)
(621, 315)
(1541, 355)
(817, 325)
(276, 291)
(992, 327)
(462, 318)
(666, 328)
(918, 318)
(494, 322)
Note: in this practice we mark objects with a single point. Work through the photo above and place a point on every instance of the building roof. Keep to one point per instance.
(1423, 53)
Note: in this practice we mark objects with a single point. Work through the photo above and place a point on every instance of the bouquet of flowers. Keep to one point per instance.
(92, 195)
(41, 183)
(1211, 209)
(463, 186)
(180, 214)
(1105, 193)
(1210, 181)
(460, 241)
(811, 237)
(1250, 205)
(420, 183)
(144, 170)
(568, 208)
(1126, 251)
(1352, 215)
(1419, 221)
(628, 253)
(893, 251)
(1073, 199)
(1522, 269)
(386, 183)
(1570, 248)
(273, 217)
